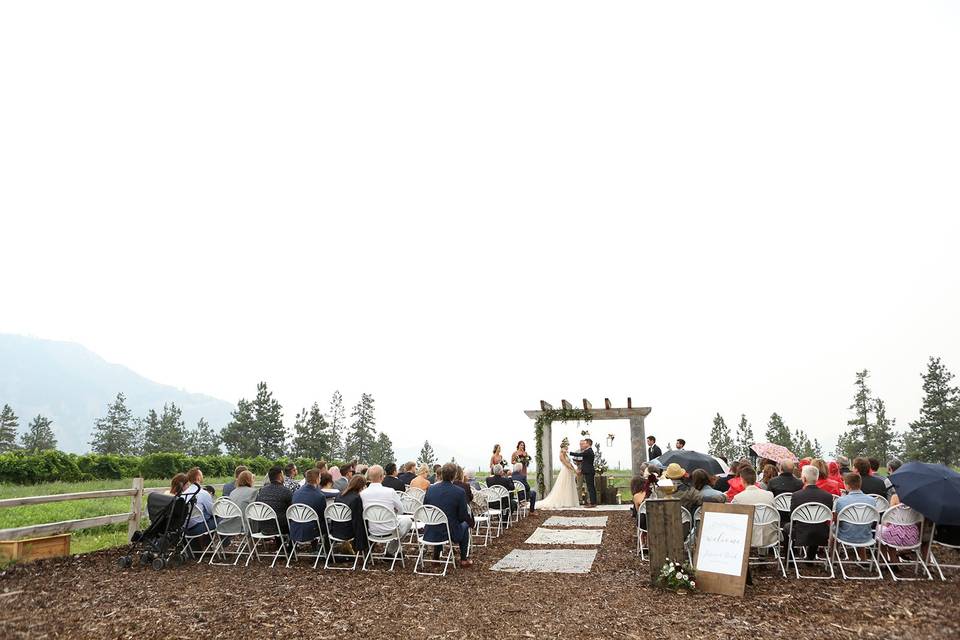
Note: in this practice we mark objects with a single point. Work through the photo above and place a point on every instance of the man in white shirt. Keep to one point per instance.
(754, 495)
(376, 493)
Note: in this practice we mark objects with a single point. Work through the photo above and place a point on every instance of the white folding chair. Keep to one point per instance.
(432, 516)
(230, 525)
(932, 559)
(377, 514)
(481, 516)
(902, 515)
(414, 492)
(782, 503)
(497, 494)
(306, 515)
(523, 503)
(687, 519)
(196, 511)
(766, 526)
(882, 503)
(809, 513)
(340, 513)
(410, 505)
(641, 532)
(860, 515)
(258, 513)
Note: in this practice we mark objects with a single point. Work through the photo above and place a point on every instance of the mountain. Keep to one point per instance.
(72, 386)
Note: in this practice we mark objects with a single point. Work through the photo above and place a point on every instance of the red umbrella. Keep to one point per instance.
(774, 452)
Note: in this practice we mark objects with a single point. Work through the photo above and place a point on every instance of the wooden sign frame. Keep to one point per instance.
(722, 583)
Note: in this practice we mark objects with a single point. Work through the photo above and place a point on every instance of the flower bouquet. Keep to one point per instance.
(524, 459)
(678, 576)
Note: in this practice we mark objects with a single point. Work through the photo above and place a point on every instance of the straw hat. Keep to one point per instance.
(674, 471)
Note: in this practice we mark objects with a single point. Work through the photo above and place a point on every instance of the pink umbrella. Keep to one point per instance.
(774, 452)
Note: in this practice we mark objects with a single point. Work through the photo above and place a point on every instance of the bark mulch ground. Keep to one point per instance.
(90, 597)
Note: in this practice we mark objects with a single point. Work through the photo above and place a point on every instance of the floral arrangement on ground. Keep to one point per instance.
(678, 576)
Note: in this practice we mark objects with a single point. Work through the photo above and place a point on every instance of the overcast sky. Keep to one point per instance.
(464, 209)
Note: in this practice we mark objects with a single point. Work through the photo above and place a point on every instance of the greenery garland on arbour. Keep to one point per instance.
(546, 417)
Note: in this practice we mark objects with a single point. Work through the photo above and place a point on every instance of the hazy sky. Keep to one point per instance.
(466, 208)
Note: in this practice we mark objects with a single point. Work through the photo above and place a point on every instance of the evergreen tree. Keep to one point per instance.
(935, 435)
(721, 443)
(427, 455)
(338, 426)
(268, 423)
(9, 422)
(118, 431)
(165, 433)
(744, 438)
(152, 433)
(203, 440)
(803, 447)
(39, 435)
(312, 437)
(383, 450)
(779, 433)
(883, 441)
(363, 431)
(240, 436)
(853, 442)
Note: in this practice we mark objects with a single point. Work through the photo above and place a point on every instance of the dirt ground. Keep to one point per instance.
(90, 597)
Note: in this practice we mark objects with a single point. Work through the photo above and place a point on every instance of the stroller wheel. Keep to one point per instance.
(125, 562)
(158, 564)
(146, 557)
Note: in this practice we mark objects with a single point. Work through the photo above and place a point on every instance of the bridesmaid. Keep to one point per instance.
(520, 455)
(496, 458)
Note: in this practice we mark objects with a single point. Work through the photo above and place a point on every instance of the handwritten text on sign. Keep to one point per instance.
(722, 542)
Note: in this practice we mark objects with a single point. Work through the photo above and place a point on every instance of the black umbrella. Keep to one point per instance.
(931, 489)
(689, 460)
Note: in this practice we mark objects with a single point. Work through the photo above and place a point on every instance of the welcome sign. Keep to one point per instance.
(723, 547)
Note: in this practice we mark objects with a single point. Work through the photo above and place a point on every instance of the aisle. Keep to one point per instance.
(567, 532)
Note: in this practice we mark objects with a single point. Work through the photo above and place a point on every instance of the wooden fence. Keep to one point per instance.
(132, 517)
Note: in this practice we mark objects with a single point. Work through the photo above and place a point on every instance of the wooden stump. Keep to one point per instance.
(664, 533)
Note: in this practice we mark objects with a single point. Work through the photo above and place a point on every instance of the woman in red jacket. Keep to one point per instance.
(825, 482)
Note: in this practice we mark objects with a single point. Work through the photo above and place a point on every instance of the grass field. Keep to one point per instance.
(86, 540)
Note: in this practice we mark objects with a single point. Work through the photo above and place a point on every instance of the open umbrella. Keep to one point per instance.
(774, 452)
(931, 489)
(689, 460)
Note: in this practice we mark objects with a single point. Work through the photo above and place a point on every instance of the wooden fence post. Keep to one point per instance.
(136, 508)
(665, 534)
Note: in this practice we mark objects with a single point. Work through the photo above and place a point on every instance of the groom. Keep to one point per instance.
(585, 456)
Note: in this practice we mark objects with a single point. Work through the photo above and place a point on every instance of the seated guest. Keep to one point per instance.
(310, 495)
(435, 475)
(227, 488)
(892, 465)
(460, 480)
(497, 477)
(290, 481)
(786, 481)
(642, 488)
(901, 535)
(193, 489)
(277, 497)
(769, 471)
(754, 495)
(844, 463)
(701, 482)
(390, 479)
(519, 476)
(871, 483)
(321, 466)
(824, 481)
(834, 472)
(212, 490)
(453, 502)
(334, 473)
(353, 529)
(736, 483)
(722, 482)
(177, 483)
(243, 493)
(806, 535)
(421, 481)
(847, 531)
(407, 473)
(327, 489)
(377, 493)
(689, 497)
(346, 473)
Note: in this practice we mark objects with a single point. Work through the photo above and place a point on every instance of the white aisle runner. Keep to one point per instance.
(574, 534)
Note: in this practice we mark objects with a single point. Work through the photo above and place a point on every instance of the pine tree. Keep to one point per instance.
(268, 423)
(884, 442)
(427, 455)
(721, 443)
(118, 431)
(382, 450)
(240, 436)
(338, 426)
(203, 440)
(39, 435)
(744, 438)
(363, 431)
(854, 441)
(9, 422)
(803, 447)
(312, 437)
(935, 435)
(165, 433)
(778, 433)
(152, 433)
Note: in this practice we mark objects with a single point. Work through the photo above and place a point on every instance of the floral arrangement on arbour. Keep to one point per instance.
(678, 576)
(546, 417)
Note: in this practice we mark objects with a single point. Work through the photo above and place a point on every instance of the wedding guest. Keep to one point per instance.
(892, 465)
(811, 536)
(834, 474)
(335, 473)
(244, 493)
(702, 482)
(786, 482)
(390, 478)
(310, 495)
(754, 495)
(354, 529)
(641, 489)
(453, 502)
(460, 480)
(824, 481)
(407, 473)
(421, 481)
(653, 450)
(681, 443)
(290, 473)
(193, 488)
(346, 474)
(848, 531)
(435, 476)
(874, 465)
(326, 487)
(769, 471)
(227, 488)
(378, 494)
(278, 498)
(520, 456)
(735, 482)
(901, 535)
(871, 483)
(497, 478)
(496, 458)
(177, 483)
(844, 463)
(519, 476)
(723, 480)
(321, 466)
(689, 497)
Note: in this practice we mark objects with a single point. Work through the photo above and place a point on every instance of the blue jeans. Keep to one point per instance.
(197, 529)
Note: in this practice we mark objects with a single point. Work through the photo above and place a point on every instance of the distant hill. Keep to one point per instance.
(72, 386)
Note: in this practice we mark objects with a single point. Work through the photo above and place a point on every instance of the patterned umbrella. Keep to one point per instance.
(774, 452)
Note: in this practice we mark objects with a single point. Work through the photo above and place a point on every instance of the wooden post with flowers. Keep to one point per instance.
(664, 534)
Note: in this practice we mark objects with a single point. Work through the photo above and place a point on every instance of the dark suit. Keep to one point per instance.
(406, 478)
(531, 494)
(279, 498)
(722, 484)
(453, 502)
(654, 452)
(314, 498)
(811, 536)
(505, 503)
(784, 483)
(588, 471)
(394, 482)
(873, 484)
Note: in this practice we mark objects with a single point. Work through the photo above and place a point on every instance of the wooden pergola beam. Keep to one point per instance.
(614, 413)
(607, 403)
(566, 405)
(586, 405)
(545, 406)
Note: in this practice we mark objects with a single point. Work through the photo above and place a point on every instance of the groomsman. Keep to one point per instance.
(653, 451)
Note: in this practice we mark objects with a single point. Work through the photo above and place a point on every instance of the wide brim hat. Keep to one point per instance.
(674, 471)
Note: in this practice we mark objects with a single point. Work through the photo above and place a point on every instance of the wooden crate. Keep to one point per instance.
(35, 548)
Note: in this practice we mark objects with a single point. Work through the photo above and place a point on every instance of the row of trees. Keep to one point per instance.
(734, 447)
(39, 435)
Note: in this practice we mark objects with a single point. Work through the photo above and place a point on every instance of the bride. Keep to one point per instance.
(564, 492)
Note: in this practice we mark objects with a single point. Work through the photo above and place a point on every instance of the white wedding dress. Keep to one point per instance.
(564, 492)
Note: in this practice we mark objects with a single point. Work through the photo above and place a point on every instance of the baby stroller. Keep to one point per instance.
(163, 541)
